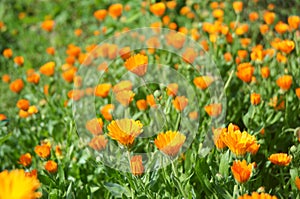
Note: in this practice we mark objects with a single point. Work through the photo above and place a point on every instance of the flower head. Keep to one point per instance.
(136, 165)
(42, 150)
(281, 159)
(16, 86)
(25, 159)
(48, 68)
(137, 64)
(94, 126)
(241, 170)
(170, 142)
(98, 143)
(203, 82)
(180, 102)
(285, 82)
(158, 8)
(213, 110)
(297, 182)
(256, 195)
(51, 166)
(125, 130)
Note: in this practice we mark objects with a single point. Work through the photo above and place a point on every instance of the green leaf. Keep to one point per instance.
(4, 138)
(116, 189)
(224, 164)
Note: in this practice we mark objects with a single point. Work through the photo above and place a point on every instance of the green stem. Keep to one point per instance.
(179, 184)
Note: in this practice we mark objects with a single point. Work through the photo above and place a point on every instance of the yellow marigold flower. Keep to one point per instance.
(48, 68)
(16, 185)
(297, 182)
(94, 126)
(255, 98)
(136, 165)
(25, 159)
(137, 64)
(256, 195)
(170, 142)
(281, 159)
(158, 9)
(125, 97)
(203, 82)
(241, 170)
(51, 166)
(98, 143)
(32, 110)
(124, 130)
(239, 142)
(102, 90)
(180, 102)
(43, 151)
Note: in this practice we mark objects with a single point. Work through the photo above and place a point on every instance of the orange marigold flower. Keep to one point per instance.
(115, 10)
(218, 13)
(125, 52)
(242, 54)
(193, 115)
(125, 130)
(151, 101)
(141, 104)
(253, 16)
(237, 6)
(98, 143)
(286, 46)
(2, 117)
(239, 142)
(19, 60)
(180, 102)
(23, 114)
(16, 86)
(281, 58)
(33, 78)
(16, 185)
(285, 82)
(228, 57)
(217, 135)
(297, 91)
(171, 4)
(294, 22)
(125, 97)
(297, 182)
(42, 150)
(255, 98)
(7, 53)
(6, 78)
(256, 195)
(245, 72)
(100, 14)
(50, 50)
(25, 159)
(263, 28)
(172, 89)
(281, 27)
(94, 126)
(51, 166)
(158, 9)
(48, 25)
(23, 104)
(48, 68)
(32, 173)
(107, 110)
(213, 110)
(170, 142)
(102, 90)
(269, 17)
(281, 159)
(265, 72)
(136, 165)
(203, 82)
(122, 86)
(137, 64)
(69, 75)
(241, 170)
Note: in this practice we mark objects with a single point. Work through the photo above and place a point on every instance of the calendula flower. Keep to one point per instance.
(158, 9)
(102, 90)
(16, 86)
(281, 159)
(265, 72)
(23, 104)
(239, 142)
(125, 97)
(100, 14)
(141, 104)
(237, 6)
(47, 69)
(285, 82)
(297, 91)
(213, 110)
(16, 185)
(51, 166)
(7, 53)
(19, 60)
(281, 27)
(286, 46)
(245, 72)
(203, 82)
(48, 25)
(32, 173)
(2, 117)
(217, 135)
(107, 110)
(6, 78)
(269, 17)
(94, 126)
(25, 159)
(125, 52)
(294, 22)
(170, 142)
(193, 115)
(256, 195)
(297, 182)
(98, 143)
(125, 130)
(137, 64)
(255, 98)
(180, 102)
(122, 85)
(136, 165)
(151, 101)
(253, 16)
(50, 50)
(241, 170)
(33, 78)
(172, 89)
(42, 150)
(69, 74)
(115, 10)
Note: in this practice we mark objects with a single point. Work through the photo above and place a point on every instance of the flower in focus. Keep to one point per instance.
(170, 142)
(48, 68)
(213, 110)
(107, 110)
(42, 150)
(98, 143)
(16, 185)
(136, 165)
(255, 98)
(137, 64)
(256, 195)
(158, 9)
(125, 130)
(281, 159)
(102, 90)
(16, 86)
(241, 170)
(94, 126)
(51, 166)
(180, 102)
(285, 82)
(25, 159)
(203, 82)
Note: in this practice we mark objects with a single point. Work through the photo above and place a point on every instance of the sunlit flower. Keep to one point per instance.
(23, 104)
(25, 159)
(100, 14)
(203, 82)
(180, 102)
(47, 69)
(281, 159)
(253, 16)
(255, 98)
(48, 25)
(158, 9)
(51, 166)
(151, 101)
(42, 150)
(281, 27)
(137, 64)
(141, 104)
(136, 165)
(124, 130)
(256, 195)
(6, 78)
(170, 142)
(16, 185)
(285, 82)
(213, 110)
(102, 90)
(94, 126)
(16, 86)
(241, 170)
(98, 142)
(115, 10)
(2, 117)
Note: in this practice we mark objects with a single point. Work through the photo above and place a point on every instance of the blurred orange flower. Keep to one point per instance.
(180, 102)
(115, 10)
(48, 25)
(100, 14)
(122, 86)
(237, 6)
(265, 72)
(98, 142)
(51, 166)
(136, 165)
(42, 150)
(7, 53)
(102, 90)
(23, 104)
(297, 91)
(269, 17)
(6, 78)
(294, 22)
(107, 110)
(48, 68)
(172, 89)
(203, 82)
(281, 159)
(255, 98)
(213, 110)
(94, 126)
(137, 64)
(297, 182)
(16, 86)
(141, 104)
(158, 9)
(245, 72)
(285, 82)
(256, 195)
(19, 60)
